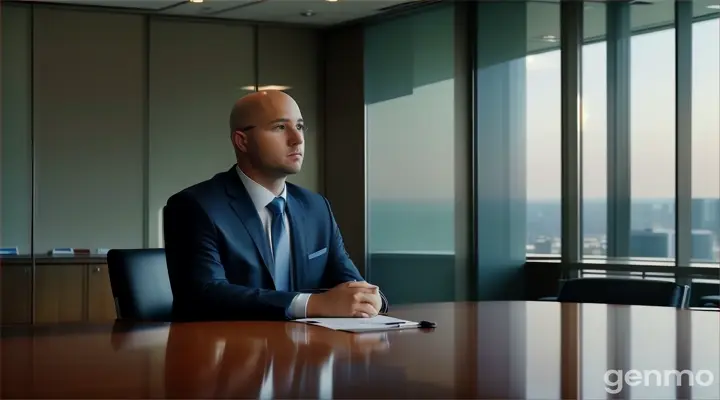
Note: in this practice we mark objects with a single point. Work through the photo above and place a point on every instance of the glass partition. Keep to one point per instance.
(410, 123)
(705, 214)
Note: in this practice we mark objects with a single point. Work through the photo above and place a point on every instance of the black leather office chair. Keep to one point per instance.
(711, 301)
(644, 292)
(140, 284)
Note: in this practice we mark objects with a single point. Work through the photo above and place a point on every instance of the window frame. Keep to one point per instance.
(618, 165)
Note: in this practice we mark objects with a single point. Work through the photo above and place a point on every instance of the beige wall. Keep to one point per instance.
(192, 88)
(290, 57)
(88, 123)
(126, 110)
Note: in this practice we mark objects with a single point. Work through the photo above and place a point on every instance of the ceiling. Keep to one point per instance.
(543, 19)
(304, 12)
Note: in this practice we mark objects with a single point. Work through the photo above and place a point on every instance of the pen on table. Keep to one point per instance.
(421, 324)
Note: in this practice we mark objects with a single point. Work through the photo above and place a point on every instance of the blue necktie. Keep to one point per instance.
(280, 244)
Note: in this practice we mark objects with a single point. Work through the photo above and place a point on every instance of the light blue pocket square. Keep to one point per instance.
(317, 253)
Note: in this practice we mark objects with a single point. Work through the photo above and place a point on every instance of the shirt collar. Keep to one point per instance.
(259, 194)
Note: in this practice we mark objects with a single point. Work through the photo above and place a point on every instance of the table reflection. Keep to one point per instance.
(499, 350)
(596, 351)
(230, 361)
(539, 350)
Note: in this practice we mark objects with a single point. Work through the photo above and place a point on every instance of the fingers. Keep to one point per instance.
(361, 297)
(364, 310)
(361, 284)
(361, 301)
(363, 287)
(367, 291)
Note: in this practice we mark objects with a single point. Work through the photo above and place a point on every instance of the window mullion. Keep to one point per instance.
(571, 42)
(618, 129)
(683, 132)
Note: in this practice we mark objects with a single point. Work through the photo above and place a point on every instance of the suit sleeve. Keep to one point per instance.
(197, 275)
(340, 267)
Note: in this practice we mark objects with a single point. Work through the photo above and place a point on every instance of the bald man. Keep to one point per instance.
(246, 244)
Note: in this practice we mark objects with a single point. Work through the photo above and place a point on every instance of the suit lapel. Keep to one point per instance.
(243, 206)
(296, 216)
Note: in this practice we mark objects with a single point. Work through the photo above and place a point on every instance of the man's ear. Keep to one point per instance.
(239, 139)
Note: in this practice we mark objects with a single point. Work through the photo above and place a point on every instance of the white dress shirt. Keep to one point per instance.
(261, 197)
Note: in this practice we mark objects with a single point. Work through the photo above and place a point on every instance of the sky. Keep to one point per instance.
(652, 131)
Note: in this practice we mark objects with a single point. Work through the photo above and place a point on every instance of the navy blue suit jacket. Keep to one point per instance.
(219, 259)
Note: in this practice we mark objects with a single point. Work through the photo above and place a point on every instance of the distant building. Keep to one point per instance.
(660, 243)
(544, 247)
(706, 215)
(703, 245)
(652, 243)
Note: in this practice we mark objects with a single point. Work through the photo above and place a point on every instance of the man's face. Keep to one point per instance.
(276, 144)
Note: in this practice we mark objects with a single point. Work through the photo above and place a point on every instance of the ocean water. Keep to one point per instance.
(411, 226)
(429, 226)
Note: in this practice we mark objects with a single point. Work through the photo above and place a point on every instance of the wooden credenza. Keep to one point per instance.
(66, 289)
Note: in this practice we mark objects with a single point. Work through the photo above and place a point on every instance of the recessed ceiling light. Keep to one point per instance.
(714, 6)
(196, 1)
(331, 1)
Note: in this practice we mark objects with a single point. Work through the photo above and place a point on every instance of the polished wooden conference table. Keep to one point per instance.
(492, 350)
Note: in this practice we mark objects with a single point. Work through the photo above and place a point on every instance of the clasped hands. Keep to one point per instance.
(350, 299)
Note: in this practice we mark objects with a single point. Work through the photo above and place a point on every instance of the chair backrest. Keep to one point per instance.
(710, 301)
(645, 292)
(140, 284)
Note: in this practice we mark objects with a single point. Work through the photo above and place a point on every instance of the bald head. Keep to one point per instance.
(268, 133)
(252, 110)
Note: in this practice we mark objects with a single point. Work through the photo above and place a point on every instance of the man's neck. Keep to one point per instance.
(274, 185)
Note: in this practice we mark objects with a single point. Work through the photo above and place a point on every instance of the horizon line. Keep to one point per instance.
(410, 200)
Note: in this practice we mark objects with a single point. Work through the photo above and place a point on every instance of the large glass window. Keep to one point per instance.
(706, 134)
(638, 149)
(542, 124)
(628, 117)
(629, 125)
(652, 131)
(410, 122)
(410, 115)
(594, 135)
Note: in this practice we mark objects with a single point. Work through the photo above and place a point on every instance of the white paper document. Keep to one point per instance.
(377, 323)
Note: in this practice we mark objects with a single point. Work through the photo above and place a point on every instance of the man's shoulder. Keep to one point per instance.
(308, 198)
